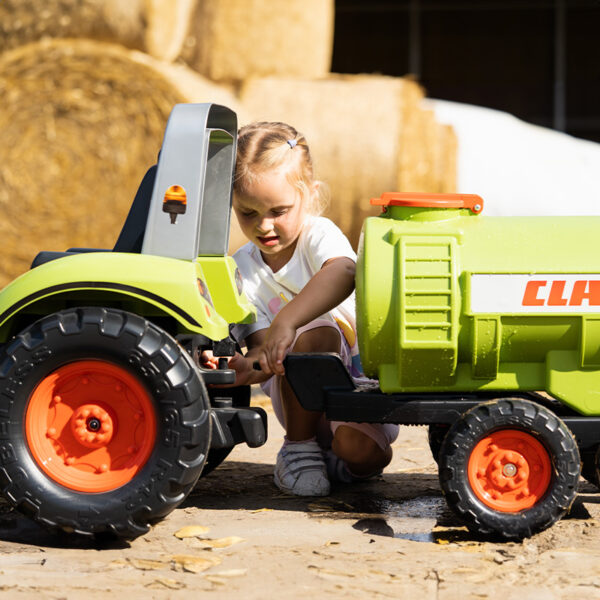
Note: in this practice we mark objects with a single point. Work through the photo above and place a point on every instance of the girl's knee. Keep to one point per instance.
(357, 448)
(319, 339)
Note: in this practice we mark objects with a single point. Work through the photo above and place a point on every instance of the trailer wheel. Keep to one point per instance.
(105, 422)
(590, 465)
(509, 468)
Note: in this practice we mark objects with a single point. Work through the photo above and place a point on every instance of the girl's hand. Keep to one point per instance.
(245, 374)
(208, 360)
(239, 363)
(280, 337)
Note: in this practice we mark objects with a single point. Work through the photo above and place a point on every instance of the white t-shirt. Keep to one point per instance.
(319, 241)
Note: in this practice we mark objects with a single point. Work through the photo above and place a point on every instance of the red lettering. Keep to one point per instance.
(531, 291)
(556, 294)
(585, 290)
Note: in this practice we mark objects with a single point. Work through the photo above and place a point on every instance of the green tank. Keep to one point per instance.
(451, 300)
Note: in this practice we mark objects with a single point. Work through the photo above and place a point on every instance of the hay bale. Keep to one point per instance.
(236, 39)
(80, 123)
(25, 21)
(367, 135)
(168, 25)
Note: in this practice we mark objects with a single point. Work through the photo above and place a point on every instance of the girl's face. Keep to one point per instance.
(271, 213)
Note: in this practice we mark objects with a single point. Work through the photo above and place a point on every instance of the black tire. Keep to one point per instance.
(590, 465)
(240, 398)
(555, 445)
(178, 403)
(436, 434)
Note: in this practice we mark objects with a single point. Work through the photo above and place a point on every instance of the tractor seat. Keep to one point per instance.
(131, 237)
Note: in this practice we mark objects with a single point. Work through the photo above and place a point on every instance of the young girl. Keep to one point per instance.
(298, 270)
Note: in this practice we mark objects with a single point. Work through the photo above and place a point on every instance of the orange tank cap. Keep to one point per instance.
(473, 202)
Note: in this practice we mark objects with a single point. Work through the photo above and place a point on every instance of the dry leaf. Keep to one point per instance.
(191, 531)
(118, 563)
(194, 564)
(332, 543)
(333, 574)
(258, 510)
(220, 543)
(147, 565)
(231, 573)
(165, 582)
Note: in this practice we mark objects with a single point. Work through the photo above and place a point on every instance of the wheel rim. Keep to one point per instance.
(509, 470)
(90, 426)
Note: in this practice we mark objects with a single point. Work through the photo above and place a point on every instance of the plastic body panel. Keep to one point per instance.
(168, 284)
(448, 300)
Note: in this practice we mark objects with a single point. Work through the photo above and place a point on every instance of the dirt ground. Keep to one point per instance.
(390, 538)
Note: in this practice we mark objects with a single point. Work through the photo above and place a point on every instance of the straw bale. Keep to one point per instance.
(367, 133)
(236, 39)
(80, 123)
(24, 21)
(168, 27)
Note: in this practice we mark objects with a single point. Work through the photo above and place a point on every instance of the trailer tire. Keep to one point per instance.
(104, 419)
(509, 468)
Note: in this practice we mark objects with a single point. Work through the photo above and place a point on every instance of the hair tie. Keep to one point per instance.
(292, 143)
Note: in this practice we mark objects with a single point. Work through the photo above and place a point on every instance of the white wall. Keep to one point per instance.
(518, 168)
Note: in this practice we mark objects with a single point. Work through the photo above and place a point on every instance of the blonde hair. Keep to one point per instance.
(265, 145)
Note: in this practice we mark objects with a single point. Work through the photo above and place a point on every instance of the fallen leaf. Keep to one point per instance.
(194, 564)
(118, 563)
(258, 510)
(332, 543)
(191, 531)
(331, 573)
(145, 564)
(165, 582)
(231, 573)
(220, 543)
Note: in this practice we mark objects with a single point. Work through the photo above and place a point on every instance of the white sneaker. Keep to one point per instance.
(300, 470)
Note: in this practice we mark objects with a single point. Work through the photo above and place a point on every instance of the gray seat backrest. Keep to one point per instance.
(190, 207)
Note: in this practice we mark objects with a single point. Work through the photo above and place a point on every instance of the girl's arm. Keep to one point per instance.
(327, 288)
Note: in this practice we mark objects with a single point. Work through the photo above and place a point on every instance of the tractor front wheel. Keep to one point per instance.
(105, 422)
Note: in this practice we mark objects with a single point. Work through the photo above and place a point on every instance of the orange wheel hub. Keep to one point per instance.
(509, 470)
(90, 426)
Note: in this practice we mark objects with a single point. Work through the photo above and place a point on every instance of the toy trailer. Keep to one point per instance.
(105, 419)
(488, 331)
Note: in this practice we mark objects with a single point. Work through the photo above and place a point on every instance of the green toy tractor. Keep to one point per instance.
(106, 420)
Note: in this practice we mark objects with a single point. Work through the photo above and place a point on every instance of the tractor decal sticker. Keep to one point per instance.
(532, 294)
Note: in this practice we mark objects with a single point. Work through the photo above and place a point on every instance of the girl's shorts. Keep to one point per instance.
(382, 433)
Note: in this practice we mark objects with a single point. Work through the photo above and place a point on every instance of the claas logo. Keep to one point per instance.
(556, 292)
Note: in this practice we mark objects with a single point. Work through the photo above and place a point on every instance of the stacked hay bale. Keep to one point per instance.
(25, 21)
(82, 119)
(237, 39)
(368, 135)
(80, 122)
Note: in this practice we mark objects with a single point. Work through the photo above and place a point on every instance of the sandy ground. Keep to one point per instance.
(390, 538)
